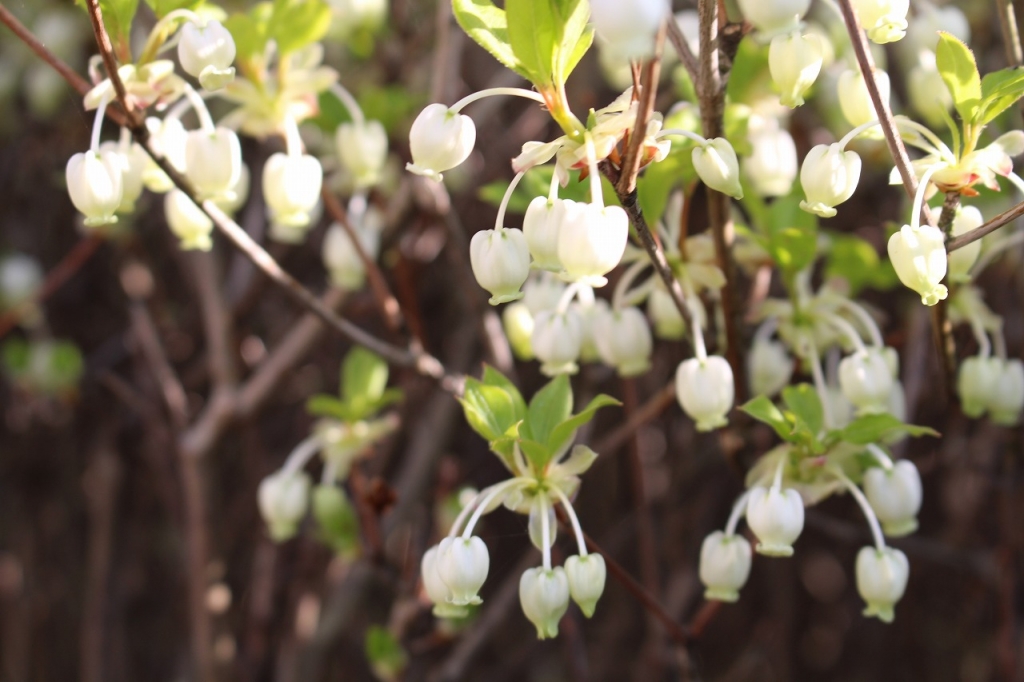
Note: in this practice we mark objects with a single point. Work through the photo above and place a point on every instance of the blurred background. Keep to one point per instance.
(98, 533)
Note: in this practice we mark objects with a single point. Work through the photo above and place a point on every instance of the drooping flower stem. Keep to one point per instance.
(97, 125)
(491, 92)
(581, 542)
(499, 221)
(865, 506)
(349, 102)
(739, 508)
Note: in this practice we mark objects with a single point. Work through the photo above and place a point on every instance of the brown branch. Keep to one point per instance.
(711, 91)
(682, 47)
(942, 330)
(991, 226)
(648, 93)
(71, 263)
(109, 60)
(216, 321)
(1011, 35)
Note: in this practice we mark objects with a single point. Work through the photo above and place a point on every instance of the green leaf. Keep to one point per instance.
(363, 374)
(539, 454)
(792, 234)
(251, 32)
(298, 23)
(856, 261)
(162, 8)
(490, 410)
(564, 432)
(764, 410)
(549, 407)
(486, 24)
(959, 71)
(873, 428)
(493, 377)
(548, 37)
(803, 401)
(339, 527)
(385, 653)
(323, 405)
(1000, 90)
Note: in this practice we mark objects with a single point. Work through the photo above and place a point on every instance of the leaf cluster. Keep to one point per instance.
(363, 393)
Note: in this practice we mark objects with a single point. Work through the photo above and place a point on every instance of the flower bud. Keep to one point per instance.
(283, 500)
(291, 187)
(213, 160)
(435, 588)
(777, 517)
(544, 595)
(591, 241)
(1007, 400)
(556, 341)
(881, 580)
(705, 390)
(501, 263)
(976, 383)
(866, 381)
(363, 151)
(624, 340)
(962, 260)
(895, 495)
(94, 184)
(206, 52)
(716, 164)
(795, 61)
(541, 226)
(884, 20)
(770, 367)
(855, 101)
(829, 177)
(462, 565)
(340, 257)
(627, 28)
(440, 139)
(166, 138)
(668, 321)
(772, 167)
(724, 565)
(518, 323)
(188, 222)
(919, 257)
(586, 575)
(774, 17)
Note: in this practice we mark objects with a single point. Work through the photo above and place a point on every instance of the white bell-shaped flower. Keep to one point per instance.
(1007, 399)
(462, 565)
(283, 499)
(624, 340)
(589, 314)
(927, 91)
(919, 256)
(544, 595)
(778, 16)
(884, 20)
(542, 225)
(962, 260)
(440, 139)
(436, 590)
(795, 62)
(895, 495)
(501, 262)
(769, 366)
(542, 293)
(777, 518)
(363, 151)
(866, 381)
(717, 166)
(976, 383)
(556, 341)
(517, 320)
(213, 161)
(133, 163)
(854, 100)
(591, 241)
(207, 52)
(923, 32)
(188, 222)
(586, 576)
(340, 257)
(291, 187)
(668, 322)
(166, 138)
(95, 186)
(881, 580)
(724, 565)
(705, 390)
(772, 166)
(235, 198)
(627, 28)
(829, 176)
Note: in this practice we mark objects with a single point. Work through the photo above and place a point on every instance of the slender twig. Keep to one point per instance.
(109, 60)
(648, 93)
(882, 110)
(991, 226)
(216, 321)
(682, 47)
(941, 327)
(1011, 35)
(654, 406)
(72, 261)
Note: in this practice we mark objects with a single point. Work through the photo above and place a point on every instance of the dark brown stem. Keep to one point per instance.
(648, 93)
(942, 330)
(643, 414)
(1011, 34)
(109, 60)
(682, 47)
(991, 226)
(55, 279)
